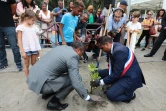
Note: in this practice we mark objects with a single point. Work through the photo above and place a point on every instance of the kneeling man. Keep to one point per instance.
(124, 73)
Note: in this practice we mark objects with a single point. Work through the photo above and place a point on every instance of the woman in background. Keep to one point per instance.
(70, 6)
(45, 16)
(147, 23)
(24, 4)
(98, 17)
(157, 23)
(90, 10)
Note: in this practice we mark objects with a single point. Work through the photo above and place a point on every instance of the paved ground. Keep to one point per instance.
(15, 95)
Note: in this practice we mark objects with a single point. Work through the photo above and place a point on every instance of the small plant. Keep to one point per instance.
(93, 74)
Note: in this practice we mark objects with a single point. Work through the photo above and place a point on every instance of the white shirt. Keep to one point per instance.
(101, 81)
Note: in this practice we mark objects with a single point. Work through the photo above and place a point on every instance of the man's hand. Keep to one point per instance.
(77, 38)
(118, 30)
(60, 11)
(63, 42)
(94, 98)
(95, 83)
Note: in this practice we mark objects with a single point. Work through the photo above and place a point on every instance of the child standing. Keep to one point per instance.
(28, 40)
(68, 24)
(134, 28)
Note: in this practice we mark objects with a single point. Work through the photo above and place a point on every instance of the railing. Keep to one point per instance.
(42, 36)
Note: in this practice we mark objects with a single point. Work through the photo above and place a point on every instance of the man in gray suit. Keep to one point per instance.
(58, 73)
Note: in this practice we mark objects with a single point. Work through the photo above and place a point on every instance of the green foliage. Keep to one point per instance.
(96, 3)
(93, 72)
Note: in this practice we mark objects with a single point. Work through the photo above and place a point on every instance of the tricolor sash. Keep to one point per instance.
(128, 63)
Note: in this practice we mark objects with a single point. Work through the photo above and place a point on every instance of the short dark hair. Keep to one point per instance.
(102, 40)
(79, 4)
(78, 45)
(85, 13)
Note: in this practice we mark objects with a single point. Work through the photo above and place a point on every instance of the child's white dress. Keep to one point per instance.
(133, 26)
(30, 40)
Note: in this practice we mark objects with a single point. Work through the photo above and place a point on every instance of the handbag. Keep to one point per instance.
(152, 30)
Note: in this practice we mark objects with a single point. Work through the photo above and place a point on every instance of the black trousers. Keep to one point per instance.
(147, 36)
(159, 42)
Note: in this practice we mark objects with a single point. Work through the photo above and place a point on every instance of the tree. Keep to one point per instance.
(95, 3)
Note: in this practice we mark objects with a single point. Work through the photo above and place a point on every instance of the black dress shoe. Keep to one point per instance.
(56, 106)
(127, 101)
(143, 49)
(148, 55)
(137, 45)
(164, 58)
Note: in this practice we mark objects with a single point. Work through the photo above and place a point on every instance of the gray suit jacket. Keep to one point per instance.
(53, 67)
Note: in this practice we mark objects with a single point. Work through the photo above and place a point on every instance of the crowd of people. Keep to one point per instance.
(59, 73)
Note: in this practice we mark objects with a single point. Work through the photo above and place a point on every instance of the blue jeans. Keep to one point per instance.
(10, 33)
(116, 92)
(29, 53)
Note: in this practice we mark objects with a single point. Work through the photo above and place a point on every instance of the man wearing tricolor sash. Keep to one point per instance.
(124, 73)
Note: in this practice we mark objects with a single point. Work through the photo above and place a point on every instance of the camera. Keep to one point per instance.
(63, 11)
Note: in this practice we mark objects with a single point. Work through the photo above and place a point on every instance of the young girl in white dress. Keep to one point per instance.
(134, 28)
(28, 40)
